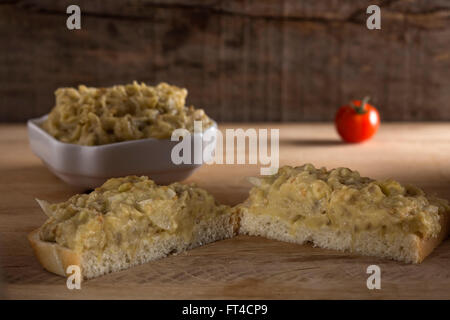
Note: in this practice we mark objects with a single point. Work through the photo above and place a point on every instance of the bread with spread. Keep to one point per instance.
(338, 209)
(126, 222)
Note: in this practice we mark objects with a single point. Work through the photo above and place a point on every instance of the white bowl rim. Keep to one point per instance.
(34, 123)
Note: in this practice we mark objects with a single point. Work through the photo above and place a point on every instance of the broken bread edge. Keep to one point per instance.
(56, 258)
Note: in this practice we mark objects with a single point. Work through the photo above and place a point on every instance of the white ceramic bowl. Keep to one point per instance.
(90, 166)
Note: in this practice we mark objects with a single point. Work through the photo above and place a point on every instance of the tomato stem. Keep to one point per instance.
(362, 108)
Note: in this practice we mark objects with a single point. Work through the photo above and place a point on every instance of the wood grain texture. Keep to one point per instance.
(241, 60)
(243, 267)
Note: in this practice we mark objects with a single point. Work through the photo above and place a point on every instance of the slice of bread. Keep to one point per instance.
(299, 205)
(126, 222)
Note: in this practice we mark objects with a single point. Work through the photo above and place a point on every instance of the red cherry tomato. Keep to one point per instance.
(356, 123)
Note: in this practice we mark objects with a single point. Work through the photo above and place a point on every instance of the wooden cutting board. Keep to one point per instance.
(243, 267)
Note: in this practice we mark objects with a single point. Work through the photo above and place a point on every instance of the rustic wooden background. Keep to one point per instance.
(254, 60)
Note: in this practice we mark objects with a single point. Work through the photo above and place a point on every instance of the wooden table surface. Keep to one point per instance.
(243, 267)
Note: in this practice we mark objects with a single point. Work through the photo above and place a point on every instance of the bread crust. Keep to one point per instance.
(52, 256)
(425, 247)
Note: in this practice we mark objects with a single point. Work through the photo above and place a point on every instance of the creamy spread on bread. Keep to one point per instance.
(124, 212)
(97, 116)
(343, 200)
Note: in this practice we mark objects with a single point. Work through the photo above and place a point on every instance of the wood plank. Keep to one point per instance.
(241, 60)
(243, 267)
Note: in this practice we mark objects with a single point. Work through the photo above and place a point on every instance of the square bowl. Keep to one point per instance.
(90, 166)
